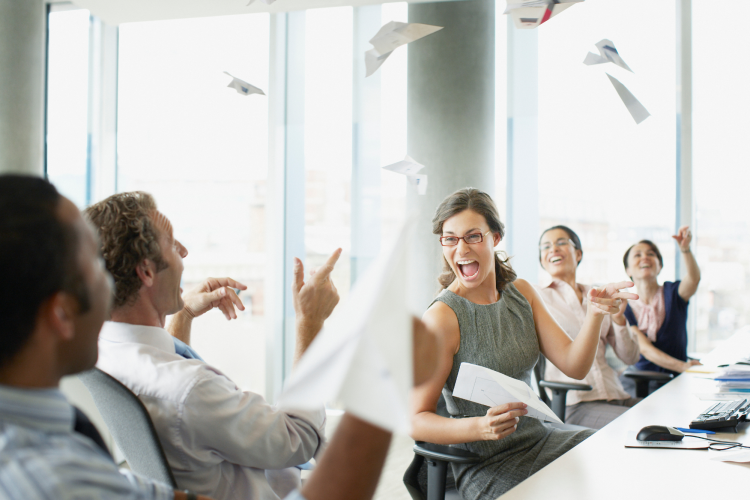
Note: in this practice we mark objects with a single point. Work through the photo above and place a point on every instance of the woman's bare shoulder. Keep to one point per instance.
(442, 320)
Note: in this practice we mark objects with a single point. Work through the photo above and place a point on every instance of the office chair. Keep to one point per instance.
(559, 389)
(642, 378)
(437, 458)
(130, 424)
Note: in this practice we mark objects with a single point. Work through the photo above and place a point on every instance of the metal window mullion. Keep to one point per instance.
(685, 206)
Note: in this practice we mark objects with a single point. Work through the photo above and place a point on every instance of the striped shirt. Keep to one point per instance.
(41, 457)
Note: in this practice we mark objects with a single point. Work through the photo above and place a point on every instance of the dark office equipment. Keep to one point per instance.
(130, 424)
(659, 433)
(723, 416)
(642, 379)
(559, 389)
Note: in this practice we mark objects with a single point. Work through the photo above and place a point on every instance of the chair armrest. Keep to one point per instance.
(648, 375)
(445, 453)
(565, 386)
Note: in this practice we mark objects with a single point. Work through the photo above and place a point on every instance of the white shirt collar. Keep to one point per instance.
(137, 334)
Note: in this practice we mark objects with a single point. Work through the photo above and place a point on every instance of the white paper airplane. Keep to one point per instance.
(490, 388)
(636, 109)
(267, 2)
(607, 53)
(392, 36)
(242, 87)
(363, 357)
(409, 167)
(528, 14)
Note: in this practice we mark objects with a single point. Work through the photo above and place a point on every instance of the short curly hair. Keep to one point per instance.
(128, 236)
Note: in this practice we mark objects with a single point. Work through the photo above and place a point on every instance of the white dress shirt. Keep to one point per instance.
(563, 305)
(219, 440)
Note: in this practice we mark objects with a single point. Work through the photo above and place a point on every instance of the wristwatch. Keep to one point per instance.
(191, 495)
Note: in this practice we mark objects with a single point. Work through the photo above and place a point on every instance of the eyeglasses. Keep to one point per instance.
(545, 247)
(470, 239)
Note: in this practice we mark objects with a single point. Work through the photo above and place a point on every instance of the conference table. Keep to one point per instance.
(602, 468)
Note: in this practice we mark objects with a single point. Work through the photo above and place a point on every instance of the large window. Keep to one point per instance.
(67, 103)
(610, 180)
(721, 177)
(201, 149)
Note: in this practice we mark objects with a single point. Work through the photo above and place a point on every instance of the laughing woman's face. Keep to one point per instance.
(472, 263)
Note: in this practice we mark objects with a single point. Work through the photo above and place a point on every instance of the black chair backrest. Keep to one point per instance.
(130, 424)
(539, 368)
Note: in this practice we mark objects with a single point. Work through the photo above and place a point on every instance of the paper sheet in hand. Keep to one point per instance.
(635, 108)
(686, 444)
(607, 53)
(242, 87)
(392, 36)
(363, 357)
(490, 388)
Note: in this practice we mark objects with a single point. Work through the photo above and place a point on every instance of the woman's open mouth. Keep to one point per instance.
(469, 269)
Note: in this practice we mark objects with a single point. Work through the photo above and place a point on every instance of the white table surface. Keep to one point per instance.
(602, 468)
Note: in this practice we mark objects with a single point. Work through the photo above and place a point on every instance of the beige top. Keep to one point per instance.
(562, 303)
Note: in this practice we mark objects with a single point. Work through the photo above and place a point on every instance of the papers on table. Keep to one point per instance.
(720, 396)
(607, 53)
(242, 87)
(409, 167)
(392, 36)
(490, 388)
(528, 14)
(687, 443)
(635, 108)
(363, 357)
(731, 456)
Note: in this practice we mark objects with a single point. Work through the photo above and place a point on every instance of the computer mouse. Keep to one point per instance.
(659, 433)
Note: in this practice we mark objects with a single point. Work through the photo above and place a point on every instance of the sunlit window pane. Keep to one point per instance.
(67, 103)
(721, 127)
(201, 149)
(328, 139)
(610, 180)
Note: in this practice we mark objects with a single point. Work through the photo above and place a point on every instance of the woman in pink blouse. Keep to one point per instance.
(560, 253)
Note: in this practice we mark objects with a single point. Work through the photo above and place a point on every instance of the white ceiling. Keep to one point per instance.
(114, 12)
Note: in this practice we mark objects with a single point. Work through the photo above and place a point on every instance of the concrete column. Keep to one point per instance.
(451, 117)
(22, 69)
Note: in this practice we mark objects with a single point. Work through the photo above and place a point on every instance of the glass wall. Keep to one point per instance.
(67, 103)
(201, 149)
(610, 180)
(720, 173)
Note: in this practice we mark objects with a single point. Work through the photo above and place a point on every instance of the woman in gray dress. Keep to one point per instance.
(485, 316)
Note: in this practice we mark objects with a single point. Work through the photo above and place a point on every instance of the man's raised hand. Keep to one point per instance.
(315, 299)
(214, 292)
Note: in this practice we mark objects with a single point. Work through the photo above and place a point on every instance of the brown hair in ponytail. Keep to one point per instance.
(481, 203)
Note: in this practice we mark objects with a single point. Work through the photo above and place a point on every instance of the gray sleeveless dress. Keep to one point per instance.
(502, 337)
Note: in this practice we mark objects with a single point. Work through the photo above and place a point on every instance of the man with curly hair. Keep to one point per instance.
(220, 441)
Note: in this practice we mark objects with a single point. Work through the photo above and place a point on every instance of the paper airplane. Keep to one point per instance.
(607, 53)
(528, 14)
(267, 2)
(409, 167)
(392, 36)
(636, 109)
(242, 87)
(363, 357)
(490, 388)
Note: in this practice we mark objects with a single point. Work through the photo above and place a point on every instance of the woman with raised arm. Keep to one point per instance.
(560, 254)
(487, 317)
(659, 317)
